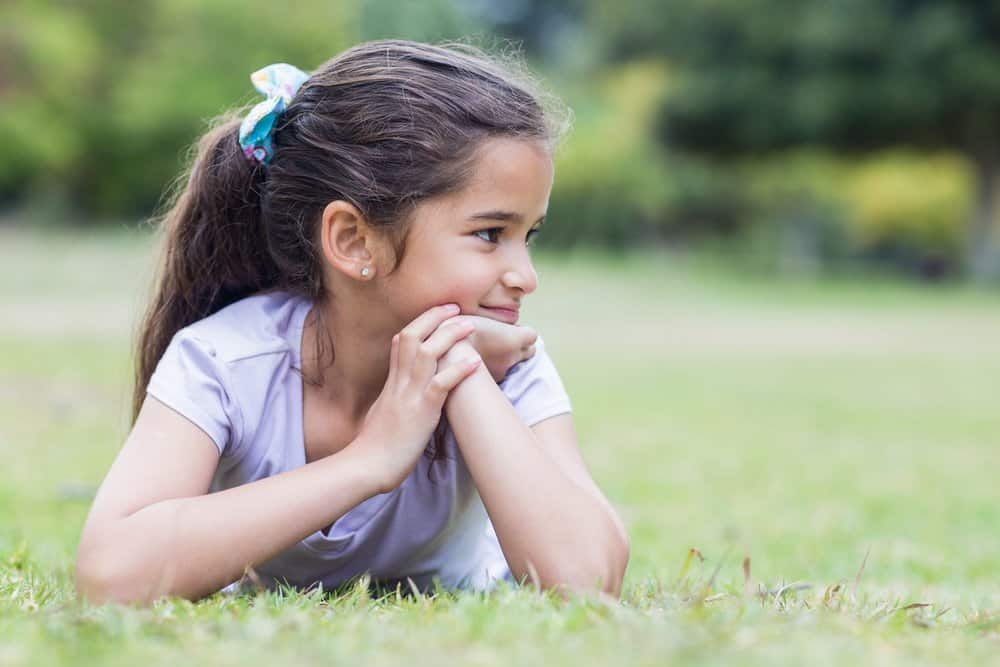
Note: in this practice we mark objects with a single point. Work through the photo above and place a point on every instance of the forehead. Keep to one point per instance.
(518, 165)
(508, 174)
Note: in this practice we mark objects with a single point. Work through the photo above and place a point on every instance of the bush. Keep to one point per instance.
(99, 111)
(903, 209)
(615, 186)
(612, 184)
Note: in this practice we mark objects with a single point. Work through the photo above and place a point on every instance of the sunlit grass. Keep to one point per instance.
(828, 447)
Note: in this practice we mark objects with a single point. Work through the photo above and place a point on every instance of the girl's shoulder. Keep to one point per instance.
(264, 323)
(224, 371)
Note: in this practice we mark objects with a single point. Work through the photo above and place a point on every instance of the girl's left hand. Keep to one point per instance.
(500, 345)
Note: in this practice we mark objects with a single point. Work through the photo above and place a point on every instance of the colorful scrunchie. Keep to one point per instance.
(279, 82)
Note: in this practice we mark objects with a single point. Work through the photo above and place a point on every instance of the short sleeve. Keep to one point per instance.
(534, 387)
(193, 381)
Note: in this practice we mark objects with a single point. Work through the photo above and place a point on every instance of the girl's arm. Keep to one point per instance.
(191, 545)
(153, 529)
(553, 524)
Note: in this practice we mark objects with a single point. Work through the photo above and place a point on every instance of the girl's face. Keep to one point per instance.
(471, 247)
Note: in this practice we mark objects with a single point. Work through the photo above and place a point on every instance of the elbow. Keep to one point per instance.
(113, 566)
(96, 583)
(613, 572)
(585, 581)
(100, 580)
(98, 574)
(603, 575)
(607, 578)
(607, 571)
(622, 555)
(604, 572)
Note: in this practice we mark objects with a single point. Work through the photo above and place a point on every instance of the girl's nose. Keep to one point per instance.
(521, 273)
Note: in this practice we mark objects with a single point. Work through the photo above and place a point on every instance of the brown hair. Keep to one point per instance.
(383, 126)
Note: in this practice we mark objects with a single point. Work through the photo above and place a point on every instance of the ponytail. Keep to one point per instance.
(213, 251)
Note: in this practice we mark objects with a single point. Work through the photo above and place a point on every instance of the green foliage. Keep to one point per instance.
(425, 21)
(611, 184)
(771, 75)
(99, 112)
(855, 74)
(48, 67)
(616, 187)
(917, 200)
(896, 207)
(102, 110)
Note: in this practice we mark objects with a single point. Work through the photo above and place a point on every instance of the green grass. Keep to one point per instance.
(801, 425)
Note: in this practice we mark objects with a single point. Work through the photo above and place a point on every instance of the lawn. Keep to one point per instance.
(807, 470)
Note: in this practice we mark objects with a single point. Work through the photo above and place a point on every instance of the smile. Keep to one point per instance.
(508, 315)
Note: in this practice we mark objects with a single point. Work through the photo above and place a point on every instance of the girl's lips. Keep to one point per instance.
(508, 315)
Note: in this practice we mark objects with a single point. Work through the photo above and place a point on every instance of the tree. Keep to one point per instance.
(100, 100)
(852, 75)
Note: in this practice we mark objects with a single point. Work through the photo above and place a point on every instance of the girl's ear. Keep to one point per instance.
(348, 243)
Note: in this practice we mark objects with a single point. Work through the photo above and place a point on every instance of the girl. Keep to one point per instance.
(339, 293)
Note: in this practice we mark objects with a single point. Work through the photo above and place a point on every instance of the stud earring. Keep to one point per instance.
(365, 271)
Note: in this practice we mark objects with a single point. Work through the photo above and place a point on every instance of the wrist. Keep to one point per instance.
(474, 383)
(369, 469)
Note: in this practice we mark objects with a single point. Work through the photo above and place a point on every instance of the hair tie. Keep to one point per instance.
(279, 82)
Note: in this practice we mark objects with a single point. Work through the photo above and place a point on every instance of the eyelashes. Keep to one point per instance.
(493, 233)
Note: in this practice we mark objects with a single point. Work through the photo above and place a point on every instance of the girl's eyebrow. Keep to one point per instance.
(503, 216)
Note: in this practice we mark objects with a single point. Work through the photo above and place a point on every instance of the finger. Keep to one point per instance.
(445, 337)
(448, 379)
(419, 329)
(393, 357)
(528, 352)
(528, 336)
(425, 324)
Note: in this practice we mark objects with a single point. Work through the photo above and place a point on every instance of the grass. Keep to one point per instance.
(840, 437)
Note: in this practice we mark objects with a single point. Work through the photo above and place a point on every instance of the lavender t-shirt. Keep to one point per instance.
(234, 375)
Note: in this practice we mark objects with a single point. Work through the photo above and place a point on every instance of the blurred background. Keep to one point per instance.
(798, 137)
(769, 279)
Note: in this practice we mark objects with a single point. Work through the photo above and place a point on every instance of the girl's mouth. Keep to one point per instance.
(508, 315)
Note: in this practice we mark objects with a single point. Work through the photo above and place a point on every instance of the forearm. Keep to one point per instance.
(191, 547)
(543, 519)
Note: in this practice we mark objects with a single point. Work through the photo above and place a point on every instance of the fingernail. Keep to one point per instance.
(453, 307)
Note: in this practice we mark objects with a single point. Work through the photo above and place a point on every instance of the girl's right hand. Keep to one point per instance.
(402, 419)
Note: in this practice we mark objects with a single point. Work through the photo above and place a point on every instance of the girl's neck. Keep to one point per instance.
(360, 359)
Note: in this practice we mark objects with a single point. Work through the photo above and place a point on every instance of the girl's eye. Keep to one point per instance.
(491, 234)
